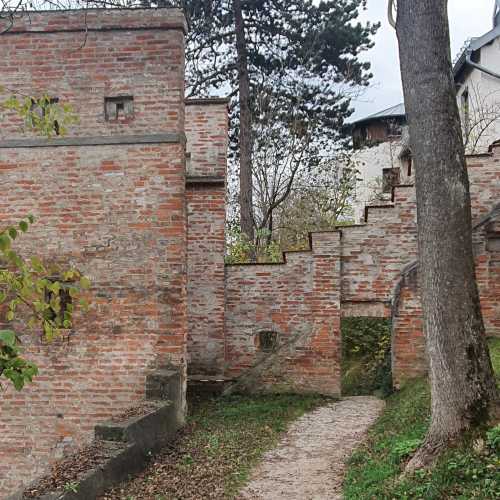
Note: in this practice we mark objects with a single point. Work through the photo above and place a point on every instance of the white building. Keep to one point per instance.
(477, 75)
(381, 141)
(381, 156)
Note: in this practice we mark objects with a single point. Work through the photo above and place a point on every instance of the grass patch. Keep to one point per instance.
(495, 357)
(223, 440)
(239, 429)
(467, 472)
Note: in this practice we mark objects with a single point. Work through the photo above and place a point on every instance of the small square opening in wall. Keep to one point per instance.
(62, 300)
(42, 108)
(268, 341)
(120, 108)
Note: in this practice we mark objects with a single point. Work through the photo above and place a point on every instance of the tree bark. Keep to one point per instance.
(462, 383)
(245, 135)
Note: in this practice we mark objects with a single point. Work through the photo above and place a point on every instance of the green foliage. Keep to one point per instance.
(307, 53)
(239, 248)
(32, 296)
(405, 448)
(493, 438)
(242, 251)
(494, 344)
(41, 114)
(71, 486)
(12, 366)
(468, 471)
(366, 356)
(29, 289)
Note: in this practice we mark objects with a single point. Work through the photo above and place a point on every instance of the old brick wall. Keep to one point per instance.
(409, 358)
(374, 254)
(207, 139)
(110, 199)
(81, 57)
(300, 302)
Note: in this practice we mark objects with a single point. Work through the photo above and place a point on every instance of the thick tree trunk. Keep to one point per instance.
(462, 383)
(245, 136)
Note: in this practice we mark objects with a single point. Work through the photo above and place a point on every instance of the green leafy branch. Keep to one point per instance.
(37, 296)
(45, 115)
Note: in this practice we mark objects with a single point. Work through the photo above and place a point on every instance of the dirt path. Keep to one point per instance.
(309, 462)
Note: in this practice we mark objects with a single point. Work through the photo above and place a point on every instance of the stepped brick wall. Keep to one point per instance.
(283, 320)
(378, 278)
(207, 137)
(408, 353)
(110, 199)
(374, 254)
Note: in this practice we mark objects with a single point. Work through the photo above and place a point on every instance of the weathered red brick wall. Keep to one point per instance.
(112, 206)
(299, 301)
(81, 57)
(409, 359)
(408, 342)
(491, 303)
(207, 138)
(374, 254)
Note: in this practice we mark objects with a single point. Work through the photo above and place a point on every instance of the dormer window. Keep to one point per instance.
(119, 108)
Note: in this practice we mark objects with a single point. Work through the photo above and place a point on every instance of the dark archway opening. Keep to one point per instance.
(366, 356)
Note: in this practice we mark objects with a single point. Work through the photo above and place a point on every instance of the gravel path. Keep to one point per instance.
(309, 462)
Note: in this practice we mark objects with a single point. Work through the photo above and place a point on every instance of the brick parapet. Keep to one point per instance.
(207, 137)
(299, 301)
(88, 20)
(83, 67)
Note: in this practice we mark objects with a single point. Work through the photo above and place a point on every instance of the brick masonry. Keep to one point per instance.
(116, 211)
(138, 204)
(408, 353)
(378, 278)
(299, 302)
(207, 137)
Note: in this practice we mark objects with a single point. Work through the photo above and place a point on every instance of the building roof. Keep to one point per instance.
(397, 111)
(474, 45)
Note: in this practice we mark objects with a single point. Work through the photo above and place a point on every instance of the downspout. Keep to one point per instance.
(470, 62)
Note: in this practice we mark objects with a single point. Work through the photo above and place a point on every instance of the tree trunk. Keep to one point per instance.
(245, 136)
(270, 229)
(462, 383)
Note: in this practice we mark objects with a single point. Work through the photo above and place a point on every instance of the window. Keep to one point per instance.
(390, 178)
(268, 341)
(394, 128)
(41, 107)
(465, 105)
(64, 301)
(119, 108)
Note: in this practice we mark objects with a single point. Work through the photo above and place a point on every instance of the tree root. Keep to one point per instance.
(427, 454)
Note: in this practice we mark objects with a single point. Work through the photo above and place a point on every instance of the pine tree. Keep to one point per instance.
(304, 56)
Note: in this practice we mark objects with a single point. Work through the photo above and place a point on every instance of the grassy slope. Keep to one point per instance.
(375, 469)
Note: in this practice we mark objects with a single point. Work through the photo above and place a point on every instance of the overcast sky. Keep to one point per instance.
(468, 18)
